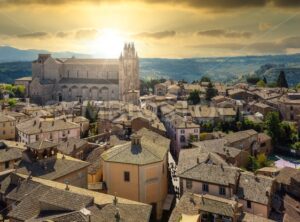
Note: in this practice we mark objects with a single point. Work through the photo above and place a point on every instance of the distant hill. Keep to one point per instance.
(226, 69)
(10, 54)
(17, 63)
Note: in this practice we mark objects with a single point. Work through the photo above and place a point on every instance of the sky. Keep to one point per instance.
(159, 29)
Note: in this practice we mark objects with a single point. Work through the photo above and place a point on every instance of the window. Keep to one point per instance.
(248, 204)
(189, 184)
(195, 130)
(222, 191)
(3, 132)
(291, 107)
(6, 164)
(205, 187)
(263, 144)
(182, 139)
(126, 176)
(182, 131)
(292, 116)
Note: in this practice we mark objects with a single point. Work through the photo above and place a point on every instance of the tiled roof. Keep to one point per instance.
(7, 154)
(38, 125)
(256, 188)
(199, 111)
(285, 175)
(216, 174)
(29, 206)
(71, 145)
(6, 118)
(51, 169)
(218, 146)
(49, 201)
(94, 158)
(153, 148)
(193, 204)
(241, 135)
(42, 144)
(65, 200)
(189, 158)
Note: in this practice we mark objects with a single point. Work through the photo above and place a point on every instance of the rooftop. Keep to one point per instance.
(151, 148)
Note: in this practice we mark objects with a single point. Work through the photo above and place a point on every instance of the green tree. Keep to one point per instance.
(194, 97)
(238, 115)
(272, 124)
(91, 113)
(265, 80)
(12, 102)
(205, 79)
(281, 81)
(210, 92)
(261, 83)
(252, 80)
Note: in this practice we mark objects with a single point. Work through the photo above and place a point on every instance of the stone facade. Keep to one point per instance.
(86, 79)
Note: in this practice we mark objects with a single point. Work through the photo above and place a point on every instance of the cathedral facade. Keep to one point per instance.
(74, 79)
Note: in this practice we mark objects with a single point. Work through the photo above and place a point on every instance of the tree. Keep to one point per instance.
(210, 92)
(194, 97)
(272, 123)
(261, 83)
(90, 113)
(265, 80)
(12, 102)
(281, 81)
(253, 79)
(238, 115)
(205, 79)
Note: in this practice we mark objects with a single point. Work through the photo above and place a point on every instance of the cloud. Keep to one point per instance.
(63, 34)
(212, 4)
(274, 47)
(264, 26)
(86, 34)
(224, 33)
(34, 35)
(156, 35)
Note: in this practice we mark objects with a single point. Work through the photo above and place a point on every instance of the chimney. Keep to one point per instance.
(67, 186)
(115, 200)
(136, 139)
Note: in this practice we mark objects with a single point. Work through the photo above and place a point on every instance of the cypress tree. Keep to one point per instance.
(281, 81)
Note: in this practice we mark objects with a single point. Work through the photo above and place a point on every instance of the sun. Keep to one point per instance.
(108, 44)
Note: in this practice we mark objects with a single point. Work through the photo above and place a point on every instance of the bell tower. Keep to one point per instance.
(129, 79)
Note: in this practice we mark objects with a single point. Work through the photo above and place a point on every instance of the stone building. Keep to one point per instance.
(7, 127)
(75, 79)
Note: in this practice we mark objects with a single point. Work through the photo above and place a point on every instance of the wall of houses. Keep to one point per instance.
(256, 208)
(197, 188)
(148, 183)
(55, 136)
(8, 130)
(77, 178)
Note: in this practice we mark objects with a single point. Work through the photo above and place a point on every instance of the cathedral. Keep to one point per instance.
(75, 79)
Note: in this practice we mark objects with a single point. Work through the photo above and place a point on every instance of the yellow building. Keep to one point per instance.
(137, 170)
(7, 127)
